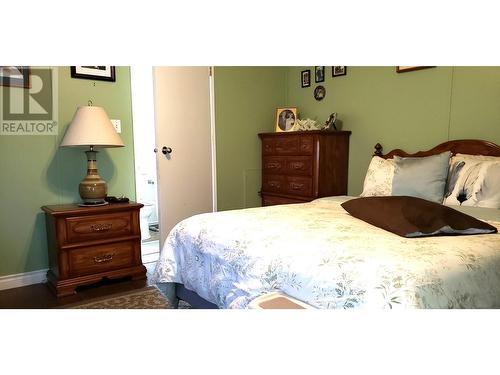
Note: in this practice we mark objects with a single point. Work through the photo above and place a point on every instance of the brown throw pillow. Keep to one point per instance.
(414, 217)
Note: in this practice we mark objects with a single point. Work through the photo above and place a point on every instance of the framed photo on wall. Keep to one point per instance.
(339, 71)
(319, 93)
(305, 78)
(319, 74)
(99, 73)
(15, 76)
(402, 69)
(285, 118)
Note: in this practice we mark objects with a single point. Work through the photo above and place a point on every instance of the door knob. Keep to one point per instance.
(166, 150)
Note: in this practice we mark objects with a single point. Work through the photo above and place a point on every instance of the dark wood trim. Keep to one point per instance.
(74, 209)
(323, 132)
(462, 146)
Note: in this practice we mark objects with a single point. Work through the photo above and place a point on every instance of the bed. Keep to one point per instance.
(319, 254)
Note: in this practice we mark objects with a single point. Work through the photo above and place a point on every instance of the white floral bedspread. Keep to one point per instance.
(319, 254)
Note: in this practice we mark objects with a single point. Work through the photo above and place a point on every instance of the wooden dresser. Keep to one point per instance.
(301, 166)
(87, 244)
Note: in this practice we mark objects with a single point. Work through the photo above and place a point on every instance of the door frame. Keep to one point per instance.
(213, 138)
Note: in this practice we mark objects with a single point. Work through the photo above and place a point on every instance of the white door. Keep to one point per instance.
(184, 144)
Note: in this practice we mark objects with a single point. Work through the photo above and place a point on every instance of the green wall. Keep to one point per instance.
(35, 172)
(413, 110)
(246, 99)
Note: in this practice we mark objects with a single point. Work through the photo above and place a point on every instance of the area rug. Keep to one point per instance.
(145, 298)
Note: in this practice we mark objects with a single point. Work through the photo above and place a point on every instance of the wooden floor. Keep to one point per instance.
(39, 296)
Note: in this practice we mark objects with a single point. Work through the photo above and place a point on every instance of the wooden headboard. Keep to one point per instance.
(460, 146)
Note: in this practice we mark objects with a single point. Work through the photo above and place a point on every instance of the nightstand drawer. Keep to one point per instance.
(96, 227)
(102, 258)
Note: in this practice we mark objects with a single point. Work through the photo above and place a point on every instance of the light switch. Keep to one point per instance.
(117, 125)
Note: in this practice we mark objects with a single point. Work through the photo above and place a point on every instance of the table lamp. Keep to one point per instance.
(91, 128)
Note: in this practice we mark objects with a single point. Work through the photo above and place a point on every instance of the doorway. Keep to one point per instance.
(146, 181)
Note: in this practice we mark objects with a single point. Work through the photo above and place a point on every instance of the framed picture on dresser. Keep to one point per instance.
(285, 118)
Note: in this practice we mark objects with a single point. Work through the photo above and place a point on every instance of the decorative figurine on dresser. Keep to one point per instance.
(300, 166)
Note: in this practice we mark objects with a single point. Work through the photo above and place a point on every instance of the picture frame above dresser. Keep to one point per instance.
(301, 166)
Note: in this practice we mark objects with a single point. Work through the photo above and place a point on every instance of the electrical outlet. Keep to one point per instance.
(118, 125)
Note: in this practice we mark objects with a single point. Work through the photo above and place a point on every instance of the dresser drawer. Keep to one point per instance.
(288, 145)
(270, 200)
(273, 183)
(299, 165)
(274, 164)
(268, 146)
(306, 145)
(96, 227)
(102, 258)
(298, 186)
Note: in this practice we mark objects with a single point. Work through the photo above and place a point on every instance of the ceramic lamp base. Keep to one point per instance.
(93, 189)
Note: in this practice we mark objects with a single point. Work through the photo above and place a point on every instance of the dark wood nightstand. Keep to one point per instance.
(87, 244)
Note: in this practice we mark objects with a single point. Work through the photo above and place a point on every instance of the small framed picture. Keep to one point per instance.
(99, 73)
(339, 71)
(319, 74)
(15, 76)
(305, 78)
(319, 93)
(285, 118)
(402, 69)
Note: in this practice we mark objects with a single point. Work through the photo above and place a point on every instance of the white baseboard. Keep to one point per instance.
(23, 279)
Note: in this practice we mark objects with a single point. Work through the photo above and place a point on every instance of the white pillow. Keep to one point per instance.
(473, 181)
(475, 157)
(378, 178)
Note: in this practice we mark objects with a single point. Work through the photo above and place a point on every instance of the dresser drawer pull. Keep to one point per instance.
(298, 166)
(104, 259)
(101, 227)
(274, 184)
(296, 186)
(273, 165)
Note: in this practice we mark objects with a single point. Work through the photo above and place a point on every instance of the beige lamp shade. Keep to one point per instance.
(91, 127)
